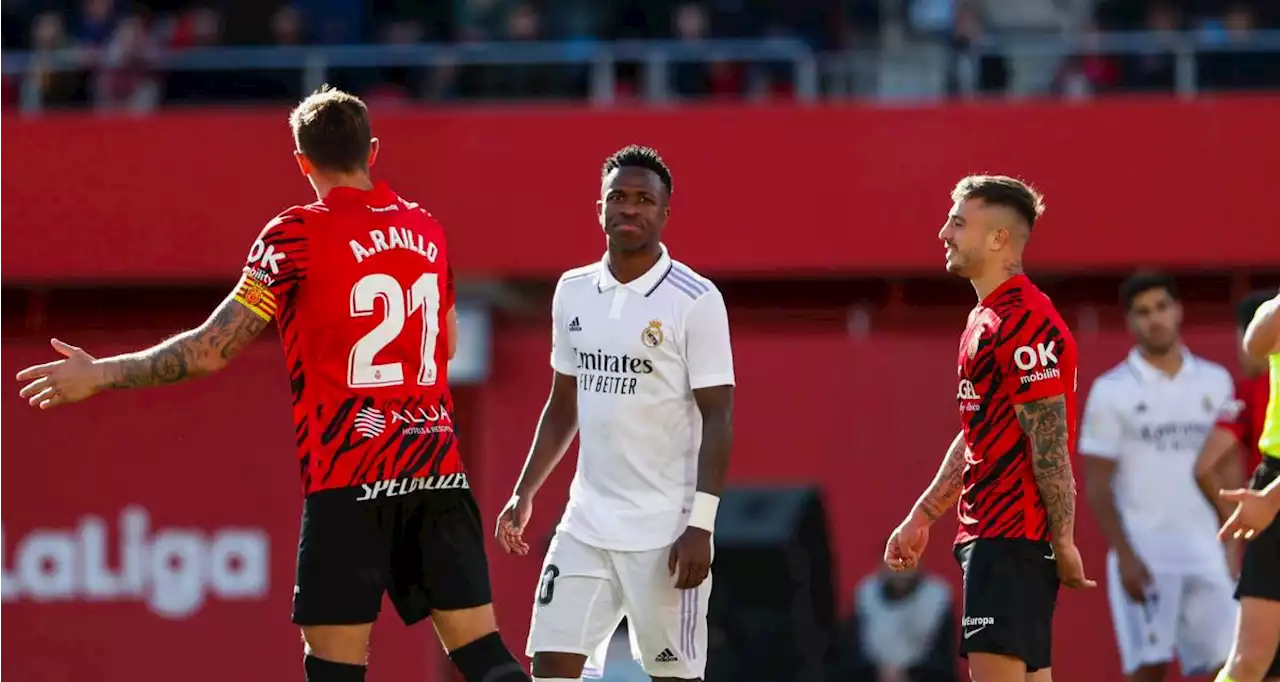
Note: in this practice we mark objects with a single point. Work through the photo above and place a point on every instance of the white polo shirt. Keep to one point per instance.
(1153, 426)
(638, 350)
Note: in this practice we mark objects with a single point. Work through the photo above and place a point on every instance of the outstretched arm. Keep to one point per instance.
(1262, 338)
(1044, 421)
(194, 353)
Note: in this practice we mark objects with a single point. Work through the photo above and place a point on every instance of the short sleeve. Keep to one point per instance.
(1102, 428)
(1029, 349)
(275, 266)
(450, 291)
(563, 358)
(1233, 415)
(708, 353)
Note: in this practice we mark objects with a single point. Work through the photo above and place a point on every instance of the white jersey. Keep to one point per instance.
(638, 350)
(1153, 426)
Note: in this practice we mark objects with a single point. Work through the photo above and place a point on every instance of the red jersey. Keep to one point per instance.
(1015, 349)
(1245, 416)
(359, 285)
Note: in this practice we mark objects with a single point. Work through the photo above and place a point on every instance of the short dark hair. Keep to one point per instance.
(1248, 308)
(637, 156)
(1002, 190)
(1141, 282)
(331, 128)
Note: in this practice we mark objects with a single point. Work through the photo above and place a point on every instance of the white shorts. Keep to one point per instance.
(585, 591)
(1193, 616)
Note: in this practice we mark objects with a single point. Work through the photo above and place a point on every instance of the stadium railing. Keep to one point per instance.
(315, 62)
(861, 73)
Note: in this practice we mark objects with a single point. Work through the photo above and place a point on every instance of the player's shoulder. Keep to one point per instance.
(1029, 311)
(1212, 372)
(580, 276)
(686, 281)
(1120, 377)
(288, 224)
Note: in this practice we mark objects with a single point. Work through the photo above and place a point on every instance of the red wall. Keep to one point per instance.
(868, 418)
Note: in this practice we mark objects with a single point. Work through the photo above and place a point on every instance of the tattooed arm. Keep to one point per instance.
(194, 353)
(1045, 423)
(944, 491)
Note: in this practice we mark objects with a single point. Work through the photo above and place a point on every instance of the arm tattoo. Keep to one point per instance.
(194, 353)
(947, 484)
(1044, 422)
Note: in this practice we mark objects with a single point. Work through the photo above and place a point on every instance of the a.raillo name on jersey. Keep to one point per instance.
(601, 372)
(391, 238)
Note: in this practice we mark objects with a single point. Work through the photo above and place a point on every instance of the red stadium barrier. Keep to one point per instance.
(180, 196)
(203, 591)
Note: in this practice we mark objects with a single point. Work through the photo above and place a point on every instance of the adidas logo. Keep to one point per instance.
(666, 657)
(574, 326)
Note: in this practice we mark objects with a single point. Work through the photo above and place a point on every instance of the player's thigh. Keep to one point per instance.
(667, 626)
(1146, 631)
(438, 565)
(343, 561)
(1205, 623)
(577, 606)
(338, 643)
(1041, 675)
(1257, 638)
(1010, 594)
(985, 667)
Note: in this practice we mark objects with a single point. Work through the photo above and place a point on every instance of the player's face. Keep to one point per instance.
(967, 236)
(633, 209)
(1155, 319)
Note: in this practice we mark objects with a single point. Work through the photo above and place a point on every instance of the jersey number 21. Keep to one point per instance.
(423, 296)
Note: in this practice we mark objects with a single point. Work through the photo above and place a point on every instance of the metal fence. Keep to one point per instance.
(876, 73)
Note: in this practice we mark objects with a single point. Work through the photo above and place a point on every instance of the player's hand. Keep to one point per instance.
(511, 524)
(690, 558)
(906, 544)
(69, 380)
(1254, 513)
(1134, 576)
(1071, 567)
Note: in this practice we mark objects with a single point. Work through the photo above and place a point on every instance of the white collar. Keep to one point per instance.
(1149, 372)
(644, 284)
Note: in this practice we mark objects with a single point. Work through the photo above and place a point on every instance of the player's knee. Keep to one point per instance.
(1244, 667)
(553, 665)
(459, 627)
(348, 644)
(487, 659)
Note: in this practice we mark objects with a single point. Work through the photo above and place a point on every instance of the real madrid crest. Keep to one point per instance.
(652, 335)
(1208, 404)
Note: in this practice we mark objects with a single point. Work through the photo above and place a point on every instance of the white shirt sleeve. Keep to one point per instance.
(1101, 430)
(563, 358)
(708, 353)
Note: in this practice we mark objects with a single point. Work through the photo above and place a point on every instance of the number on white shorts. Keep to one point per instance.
(424, 295)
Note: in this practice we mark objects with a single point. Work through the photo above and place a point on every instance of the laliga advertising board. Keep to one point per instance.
(149, 535)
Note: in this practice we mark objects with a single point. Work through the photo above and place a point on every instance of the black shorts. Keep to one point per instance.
(424, 549)
(1010, 591)
(1260, 568)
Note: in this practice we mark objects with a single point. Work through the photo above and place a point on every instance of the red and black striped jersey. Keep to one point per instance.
(359, 285)
(1015, 349)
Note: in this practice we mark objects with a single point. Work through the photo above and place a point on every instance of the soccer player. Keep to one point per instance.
(643, 372)
(1145, 422)
(1010, 466)
(1254, 656)
(360, 288)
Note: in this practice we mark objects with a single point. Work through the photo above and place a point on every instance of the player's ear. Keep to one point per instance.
(304, 164)
(373, 151)
(666, 212)
(600, 211)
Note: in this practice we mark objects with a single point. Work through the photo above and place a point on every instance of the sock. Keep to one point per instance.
(487, 660)
(320, 670)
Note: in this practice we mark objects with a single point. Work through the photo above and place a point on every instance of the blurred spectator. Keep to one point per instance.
(902, 630)
(96, 23)
(1156, 71)
(1236, 69)
(972, 72)
(125, 78)
(1088, 72)
(480, 20)
(45, 85)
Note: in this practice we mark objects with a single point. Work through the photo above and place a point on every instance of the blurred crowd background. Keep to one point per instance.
(143, 54)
